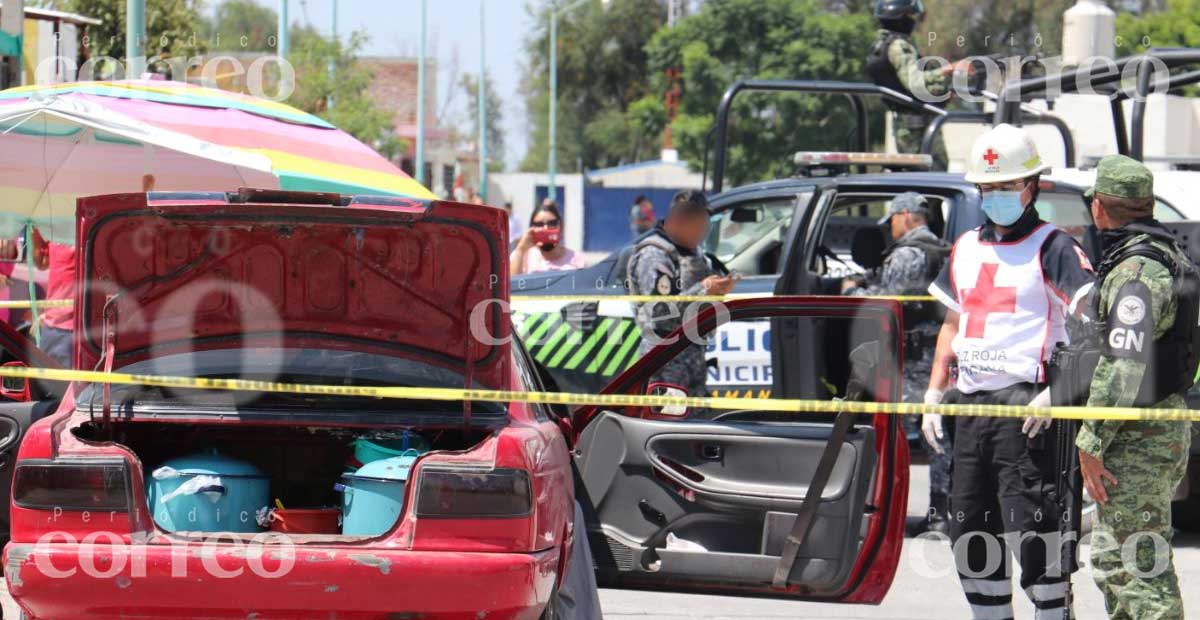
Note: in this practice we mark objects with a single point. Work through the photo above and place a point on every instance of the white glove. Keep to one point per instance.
(1035, 425)
(931, 423)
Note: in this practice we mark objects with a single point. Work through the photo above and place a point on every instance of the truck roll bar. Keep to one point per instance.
(853, 91)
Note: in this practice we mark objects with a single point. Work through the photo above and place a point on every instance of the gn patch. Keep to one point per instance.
(1130, 325)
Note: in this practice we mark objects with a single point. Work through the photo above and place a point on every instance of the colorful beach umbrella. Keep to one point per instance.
(61, 142)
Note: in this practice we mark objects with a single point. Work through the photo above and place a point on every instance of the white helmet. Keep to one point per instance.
(1004, 153)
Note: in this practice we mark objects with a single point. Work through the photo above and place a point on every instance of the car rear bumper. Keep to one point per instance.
(69, 581)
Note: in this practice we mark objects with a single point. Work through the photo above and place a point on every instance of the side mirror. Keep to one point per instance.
(15, 388)
(667, 389)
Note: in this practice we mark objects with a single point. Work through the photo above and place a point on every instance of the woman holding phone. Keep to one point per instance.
(540, 247)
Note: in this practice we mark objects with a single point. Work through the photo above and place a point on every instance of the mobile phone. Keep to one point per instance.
(546, 236)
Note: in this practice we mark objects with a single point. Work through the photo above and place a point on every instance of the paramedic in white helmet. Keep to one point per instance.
(1008, 286)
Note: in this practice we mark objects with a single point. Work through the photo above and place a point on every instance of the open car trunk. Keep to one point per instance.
(303, 465)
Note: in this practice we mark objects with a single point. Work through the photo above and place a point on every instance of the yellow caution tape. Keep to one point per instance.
(636, 299)
(642, 299)
(18, 304)
(615, 400)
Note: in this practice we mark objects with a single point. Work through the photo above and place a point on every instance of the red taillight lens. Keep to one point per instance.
(63, 485)
(460, 492)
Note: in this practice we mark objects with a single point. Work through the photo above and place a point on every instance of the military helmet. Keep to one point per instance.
(899, 9)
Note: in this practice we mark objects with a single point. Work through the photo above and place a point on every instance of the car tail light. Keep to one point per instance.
(455, 492)
(70, 485)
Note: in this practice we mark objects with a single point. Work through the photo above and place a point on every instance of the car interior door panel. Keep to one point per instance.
(731, 488)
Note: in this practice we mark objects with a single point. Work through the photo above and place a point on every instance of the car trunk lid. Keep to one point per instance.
(186, 272)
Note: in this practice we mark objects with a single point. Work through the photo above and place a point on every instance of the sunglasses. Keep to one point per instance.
(549, 224)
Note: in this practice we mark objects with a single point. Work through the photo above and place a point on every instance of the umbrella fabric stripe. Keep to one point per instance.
(293, 171)
(176, 94)
(253, 132)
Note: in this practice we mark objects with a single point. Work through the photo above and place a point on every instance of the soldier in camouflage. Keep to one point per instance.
(1133, 468)
(893, 63)
(669, 262)
(909, 266)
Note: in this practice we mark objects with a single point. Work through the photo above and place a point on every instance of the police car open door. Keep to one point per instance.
(791, 505)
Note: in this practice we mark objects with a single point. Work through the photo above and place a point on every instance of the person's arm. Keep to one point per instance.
(902, 272)
(1140, 308)
(516, 261)
(943, 354)
(655, 274)
(903, 56)
(1069, 274)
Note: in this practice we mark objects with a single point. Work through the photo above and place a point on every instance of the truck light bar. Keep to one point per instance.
(906, 160)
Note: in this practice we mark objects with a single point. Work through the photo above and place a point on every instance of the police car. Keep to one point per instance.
(796, 236)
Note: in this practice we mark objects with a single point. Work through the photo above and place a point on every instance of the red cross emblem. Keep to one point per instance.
(990, 157)
(987, 299)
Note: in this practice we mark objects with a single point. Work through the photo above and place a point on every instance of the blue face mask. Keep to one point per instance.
(1003, 207)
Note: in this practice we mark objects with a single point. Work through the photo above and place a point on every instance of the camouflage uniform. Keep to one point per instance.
(659, 267)
(1148, 458)
(905, 272)
(908, 129)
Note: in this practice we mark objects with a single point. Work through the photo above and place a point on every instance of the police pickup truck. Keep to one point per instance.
(797, 236)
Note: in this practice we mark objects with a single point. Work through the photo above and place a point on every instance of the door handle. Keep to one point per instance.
(711, 452)
(651, 513)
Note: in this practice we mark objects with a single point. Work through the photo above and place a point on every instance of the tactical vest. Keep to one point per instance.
(690, 268)
(880, 68)
(1177, 352)
(936, 252)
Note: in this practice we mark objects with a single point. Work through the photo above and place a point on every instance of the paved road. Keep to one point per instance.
(912, 596)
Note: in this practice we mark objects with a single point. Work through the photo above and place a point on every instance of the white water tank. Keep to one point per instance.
(1089, 30)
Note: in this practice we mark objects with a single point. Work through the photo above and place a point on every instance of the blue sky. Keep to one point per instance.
(452, 28)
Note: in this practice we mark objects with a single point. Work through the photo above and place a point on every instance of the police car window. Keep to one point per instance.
(1164, 212)
(852, 212)
(749, 236)
(1066, 211)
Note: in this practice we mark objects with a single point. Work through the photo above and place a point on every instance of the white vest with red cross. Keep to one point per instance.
(1009, 320)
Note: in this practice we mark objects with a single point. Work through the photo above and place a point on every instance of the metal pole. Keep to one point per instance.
(284, 39)
(483, 153)
(333, 33)
(420, 164)
(135, 38)
(552, 162)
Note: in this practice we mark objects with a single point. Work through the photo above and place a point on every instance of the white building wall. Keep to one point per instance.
(520, 188)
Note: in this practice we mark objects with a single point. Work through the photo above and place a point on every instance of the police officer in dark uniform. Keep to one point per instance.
(669, 262)
(892, 63)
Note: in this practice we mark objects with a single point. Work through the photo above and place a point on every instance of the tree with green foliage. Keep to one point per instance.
(243, 26)
(173, 27)
(495, 116)
(1175, 26)
(1017, 27)
(601, 74)
(353, 110)
(730, 40)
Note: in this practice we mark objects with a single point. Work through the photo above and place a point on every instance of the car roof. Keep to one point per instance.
(907, 179)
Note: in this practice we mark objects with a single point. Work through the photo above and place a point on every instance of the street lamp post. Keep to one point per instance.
(552, 161)
(284, 39)
(482, 91)
(135, 38)
(420, 163)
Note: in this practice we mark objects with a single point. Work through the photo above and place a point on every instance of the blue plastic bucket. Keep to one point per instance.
(373, 496)
(368, 451)
(207, 493)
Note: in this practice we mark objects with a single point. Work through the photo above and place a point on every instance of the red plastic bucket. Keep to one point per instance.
(306, 520)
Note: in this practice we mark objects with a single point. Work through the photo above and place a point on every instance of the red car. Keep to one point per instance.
(327, 289)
